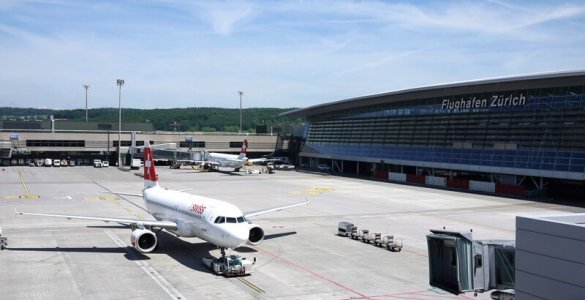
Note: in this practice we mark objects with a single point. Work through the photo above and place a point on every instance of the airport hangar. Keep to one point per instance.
(520, 136)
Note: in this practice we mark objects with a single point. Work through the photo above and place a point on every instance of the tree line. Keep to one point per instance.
(207, 119)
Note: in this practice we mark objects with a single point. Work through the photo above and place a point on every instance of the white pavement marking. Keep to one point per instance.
(161, 281)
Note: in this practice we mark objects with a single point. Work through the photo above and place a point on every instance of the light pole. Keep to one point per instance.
(120, 83)
(86, 86)
(241, 94)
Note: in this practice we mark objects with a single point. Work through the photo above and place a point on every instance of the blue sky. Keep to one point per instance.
(174, 53)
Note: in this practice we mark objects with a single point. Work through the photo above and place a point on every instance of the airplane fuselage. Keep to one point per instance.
(198, 216)
(227, 160)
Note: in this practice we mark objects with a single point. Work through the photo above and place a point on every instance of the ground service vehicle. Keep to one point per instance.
(345, 228)
(97, 163)
(233, 265)
(384, 241)
(135, 164)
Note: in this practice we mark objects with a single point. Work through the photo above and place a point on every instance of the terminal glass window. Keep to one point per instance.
(55, 143)
(531, 128)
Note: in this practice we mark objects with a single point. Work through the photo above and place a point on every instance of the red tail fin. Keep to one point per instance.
(150, 177)
(244, 147)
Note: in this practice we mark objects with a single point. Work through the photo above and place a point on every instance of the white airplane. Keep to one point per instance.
(185, 215)
(217, 160)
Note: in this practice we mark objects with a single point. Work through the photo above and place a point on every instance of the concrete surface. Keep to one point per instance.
(301, 258)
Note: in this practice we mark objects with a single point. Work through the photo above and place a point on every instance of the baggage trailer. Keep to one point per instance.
(365, 235)
(355, 234)
(348, 229)
(389, 243)
(374, 238)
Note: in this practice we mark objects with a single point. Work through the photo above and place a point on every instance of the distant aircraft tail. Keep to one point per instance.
(150, 177)
(244, 149)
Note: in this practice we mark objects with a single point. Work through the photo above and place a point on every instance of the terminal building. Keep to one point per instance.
(23, 143)
(521, 136)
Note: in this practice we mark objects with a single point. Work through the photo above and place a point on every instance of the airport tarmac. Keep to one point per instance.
(301, 257)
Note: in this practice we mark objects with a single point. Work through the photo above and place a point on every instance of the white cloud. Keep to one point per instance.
(179, 53)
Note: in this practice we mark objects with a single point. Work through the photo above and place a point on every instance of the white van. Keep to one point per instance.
(57, 163)
(48, 162)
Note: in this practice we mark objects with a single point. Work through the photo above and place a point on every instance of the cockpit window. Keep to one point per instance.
(222, 219)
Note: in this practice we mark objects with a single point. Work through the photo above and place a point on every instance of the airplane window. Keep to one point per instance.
(231, 220)
(241, 220)
(216, 220)
(220, 220)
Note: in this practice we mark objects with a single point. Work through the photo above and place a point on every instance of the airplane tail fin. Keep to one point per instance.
(244, 149)
(150, 177)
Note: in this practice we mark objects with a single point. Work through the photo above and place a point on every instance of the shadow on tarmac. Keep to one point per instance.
(277, 235)
(186, 253)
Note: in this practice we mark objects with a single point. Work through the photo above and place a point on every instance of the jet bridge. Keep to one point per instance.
(459, 264)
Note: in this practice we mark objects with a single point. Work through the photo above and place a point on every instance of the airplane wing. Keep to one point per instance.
(257, 160)
(262, 159)
(198, 161)
(263, 211)
(161, 224)
(189, 161)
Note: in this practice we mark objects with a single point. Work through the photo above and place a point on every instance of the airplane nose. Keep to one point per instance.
(241, 235)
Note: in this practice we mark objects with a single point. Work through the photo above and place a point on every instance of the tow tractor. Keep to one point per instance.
(3, 240)
(229, 266)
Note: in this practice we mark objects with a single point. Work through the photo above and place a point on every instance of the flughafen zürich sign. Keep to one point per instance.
(493, 101)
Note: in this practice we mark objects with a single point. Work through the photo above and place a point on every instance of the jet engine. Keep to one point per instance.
(143, 240)
(256, 235)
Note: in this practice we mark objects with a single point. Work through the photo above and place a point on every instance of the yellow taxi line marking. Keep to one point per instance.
(23, 196)
(250, 285)
(23, 183)
(314, 191)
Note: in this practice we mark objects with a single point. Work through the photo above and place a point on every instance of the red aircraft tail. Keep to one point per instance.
(150, 177)
(244, 149)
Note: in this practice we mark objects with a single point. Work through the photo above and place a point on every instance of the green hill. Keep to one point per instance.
(207, 119)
